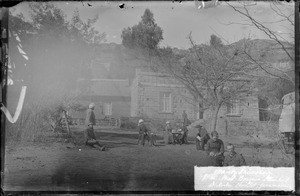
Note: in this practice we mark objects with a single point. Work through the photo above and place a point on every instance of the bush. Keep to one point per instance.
(29, 124)
(40, 117)
(129, 125)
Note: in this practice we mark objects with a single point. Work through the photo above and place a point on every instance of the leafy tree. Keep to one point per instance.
(47, 54)
(215, 41)
(58, 49)
(145, 35)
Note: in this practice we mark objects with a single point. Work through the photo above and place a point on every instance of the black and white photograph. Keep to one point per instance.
(148, 96)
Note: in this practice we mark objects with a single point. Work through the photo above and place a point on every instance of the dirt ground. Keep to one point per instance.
(60, 166)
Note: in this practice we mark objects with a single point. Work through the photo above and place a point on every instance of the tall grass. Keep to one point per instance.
(36, 120)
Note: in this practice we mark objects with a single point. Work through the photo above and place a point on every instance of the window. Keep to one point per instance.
(234, 108)
(107, 109)
(264, 115)
(99, 64)
(165, 102)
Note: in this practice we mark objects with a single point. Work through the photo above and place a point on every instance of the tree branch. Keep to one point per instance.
(261, 27)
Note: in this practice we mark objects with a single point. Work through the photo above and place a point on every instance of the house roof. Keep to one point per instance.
(109, 87)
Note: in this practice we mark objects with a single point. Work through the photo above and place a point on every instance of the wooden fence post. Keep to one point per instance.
(67, 123)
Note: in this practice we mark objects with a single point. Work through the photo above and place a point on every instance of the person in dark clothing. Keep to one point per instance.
(89, 134)
(215, 148)
(185, 120)
(184, 135)
(144, 133)
(233, 158)
(168, 136)
(141, 132)
(201, 138)
(90, 116)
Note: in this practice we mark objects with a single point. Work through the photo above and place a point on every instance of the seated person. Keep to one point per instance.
(90, 138)
(177, 136)
(184, 134)
(201, 138)
(215, 148)
(232, 158)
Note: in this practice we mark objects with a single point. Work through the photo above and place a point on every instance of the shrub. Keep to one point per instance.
(39, 116)
(129, 125)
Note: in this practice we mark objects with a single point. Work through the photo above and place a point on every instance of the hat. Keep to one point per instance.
(141, 120)
(92, 105)
(168, 122)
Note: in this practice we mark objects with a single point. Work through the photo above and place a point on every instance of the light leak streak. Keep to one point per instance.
(19, 107)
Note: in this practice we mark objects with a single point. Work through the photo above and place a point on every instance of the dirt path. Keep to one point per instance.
(124, 167)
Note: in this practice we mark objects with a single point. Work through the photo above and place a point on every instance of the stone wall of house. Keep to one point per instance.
(134, 98)
(250, 109)
(246, 127)
(237, 126)
(145, 92)
(149, 103)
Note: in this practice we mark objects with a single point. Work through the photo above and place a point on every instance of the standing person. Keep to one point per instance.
(89, 134)
(215, 148)
(168, 136)
(140, 131)
(185, 119)
(143, 132)
(202, 137)
(233, 158)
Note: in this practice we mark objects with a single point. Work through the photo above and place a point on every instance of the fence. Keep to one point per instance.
(113, 122)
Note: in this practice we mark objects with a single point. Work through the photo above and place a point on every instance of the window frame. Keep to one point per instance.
(108, 108)
(165, 102)
(234, 108)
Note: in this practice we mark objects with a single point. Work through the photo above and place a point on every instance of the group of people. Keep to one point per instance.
(173, 136)
(214, 147)
(179, 136)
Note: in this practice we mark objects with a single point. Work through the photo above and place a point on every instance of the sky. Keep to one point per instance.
(176, 19)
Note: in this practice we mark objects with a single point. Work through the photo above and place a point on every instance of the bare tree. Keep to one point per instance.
(285, 14)
(280, 40)
(215, 74)
(275, 61)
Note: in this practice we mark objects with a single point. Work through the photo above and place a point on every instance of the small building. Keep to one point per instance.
(157, 95)
(111, 97)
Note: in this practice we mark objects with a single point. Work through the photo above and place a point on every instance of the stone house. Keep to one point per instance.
(157, 95)
(160, 96)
